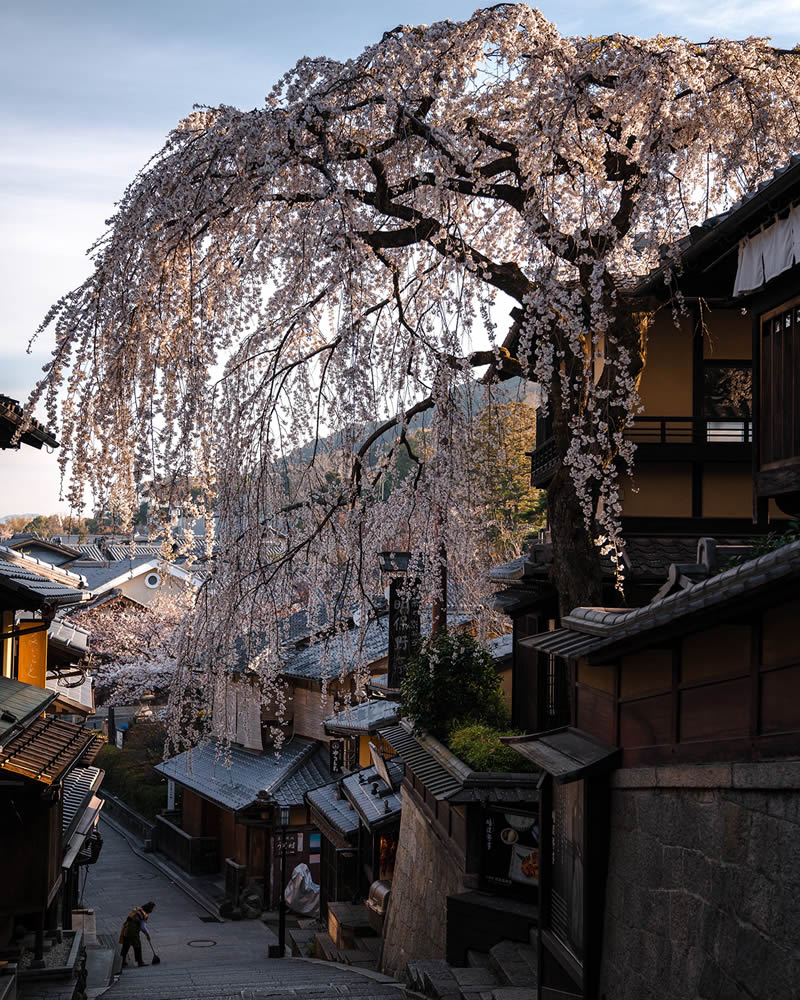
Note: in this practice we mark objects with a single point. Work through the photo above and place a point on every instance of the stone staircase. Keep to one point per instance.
(508, 972)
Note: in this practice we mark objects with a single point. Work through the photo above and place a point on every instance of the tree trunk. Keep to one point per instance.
(576, 572)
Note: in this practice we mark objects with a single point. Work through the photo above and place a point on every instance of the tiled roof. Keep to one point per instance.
(587, 630)
(502, 646)
(367, 717)
(236, 778)
(46, 749)
(98, 576)
(311, 774)
(418, 758)
(334, 808)
(340, 652)
(366, 791)
(64, 633)
(34, 591)
(89, 550)
(79, 785)
(11, 414)
(42, 567)
(20, 702)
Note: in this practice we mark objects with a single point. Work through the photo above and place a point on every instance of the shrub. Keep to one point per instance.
(452, 677)
(129, 773)
(479, 746)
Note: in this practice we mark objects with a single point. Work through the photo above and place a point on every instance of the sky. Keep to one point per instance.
(89, 90)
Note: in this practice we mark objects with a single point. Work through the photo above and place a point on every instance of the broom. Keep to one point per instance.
(156, 959)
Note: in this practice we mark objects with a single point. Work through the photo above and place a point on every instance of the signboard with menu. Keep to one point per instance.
(510, 849)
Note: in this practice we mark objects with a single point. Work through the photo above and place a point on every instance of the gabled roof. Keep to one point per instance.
(101, 579)
(27, 540)
(235, 778)
(19, 703)
(11, 416)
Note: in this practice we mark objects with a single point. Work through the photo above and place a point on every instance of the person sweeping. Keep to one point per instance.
(130, 936)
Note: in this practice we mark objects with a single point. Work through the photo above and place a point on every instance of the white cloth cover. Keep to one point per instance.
(769, 253)
(302, 892)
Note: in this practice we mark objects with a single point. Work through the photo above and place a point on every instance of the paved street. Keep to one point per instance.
(212, 961)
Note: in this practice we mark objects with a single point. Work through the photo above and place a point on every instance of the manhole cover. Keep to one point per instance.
(201, 943)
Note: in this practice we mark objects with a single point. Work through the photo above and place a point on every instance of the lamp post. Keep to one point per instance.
(284, 818)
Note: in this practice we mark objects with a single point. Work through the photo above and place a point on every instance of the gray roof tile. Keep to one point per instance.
(236, 778)
(364, 789)
(335, 808)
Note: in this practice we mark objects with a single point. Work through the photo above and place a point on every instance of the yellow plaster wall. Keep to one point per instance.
(728, 334)
(137, 590)
(727, 490)
(665, 387)
(664, 490)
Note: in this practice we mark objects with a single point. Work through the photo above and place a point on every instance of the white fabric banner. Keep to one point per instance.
(769, 253)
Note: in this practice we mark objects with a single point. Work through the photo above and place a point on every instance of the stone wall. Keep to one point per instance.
(703, 894)
(424, 876)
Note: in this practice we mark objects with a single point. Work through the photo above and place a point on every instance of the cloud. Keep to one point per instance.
(778, 19)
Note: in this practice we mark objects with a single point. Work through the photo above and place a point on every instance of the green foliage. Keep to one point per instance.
(774, 540)
(452, 677)
(478, 745)
(129, 772)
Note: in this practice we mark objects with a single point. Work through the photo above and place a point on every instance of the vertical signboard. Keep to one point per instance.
(32, 663)
(404, 629)
(336, 751)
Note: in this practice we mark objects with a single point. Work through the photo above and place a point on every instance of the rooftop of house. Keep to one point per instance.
(692, 593)
(368, 717)
(34, 585)
(236, 778)
(11, 417)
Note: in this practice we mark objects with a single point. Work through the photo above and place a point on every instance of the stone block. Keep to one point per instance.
(767, 774)
(694, 776)
(634, 777)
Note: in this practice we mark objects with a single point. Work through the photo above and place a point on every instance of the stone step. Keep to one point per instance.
(475, 983)
(477, 959)
(514, 964)
(300, 941)
(514, 993)
(434, 978)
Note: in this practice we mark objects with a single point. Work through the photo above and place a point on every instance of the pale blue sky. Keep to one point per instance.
(90, 88)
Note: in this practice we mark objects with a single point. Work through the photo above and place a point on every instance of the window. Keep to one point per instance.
(780, 392)
(566, 898)
(152, 580)
(727, 400)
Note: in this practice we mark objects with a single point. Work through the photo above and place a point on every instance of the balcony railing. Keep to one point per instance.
(196, 855)
(689, 430)
(671, 436)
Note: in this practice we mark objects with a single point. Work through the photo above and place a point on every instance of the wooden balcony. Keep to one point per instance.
(665, 439)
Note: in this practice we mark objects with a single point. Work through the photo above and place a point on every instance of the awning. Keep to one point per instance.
(566, 754)
(48, 748)
(564, 642)
(18, 704)
(86, 825)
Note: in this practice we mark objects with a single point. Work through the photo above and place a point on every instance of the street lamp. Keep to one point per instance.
(284, 819)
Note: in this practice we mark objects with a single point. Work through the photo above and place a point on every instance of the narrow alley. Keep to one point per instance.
(201, 959)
